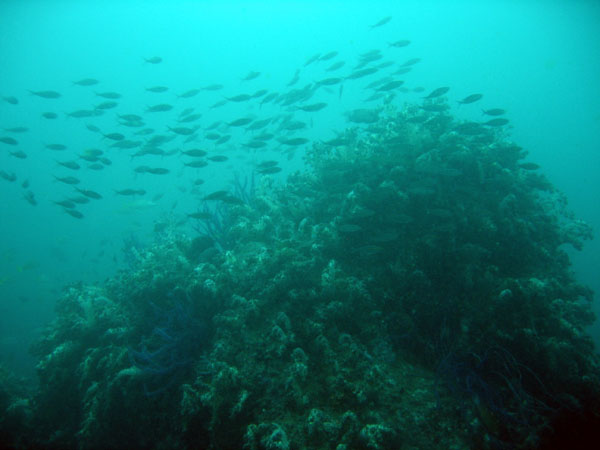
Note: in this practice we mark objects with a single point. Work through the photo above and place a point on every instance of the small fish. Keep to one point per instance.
(183, 131)
(217, 195)
(30, 197)
(65, 204)
(196, 164)
(437, 92)
(335, 66)
(218, 104)
(255, 144)
(195, 153)
(399, 44)
(153, 60)
(382, 22)
(361, 73)
(189, 94)
(493, 112)
(49, 115)
(162, 107)
(73, 213)
(328, 56)
(67, 180)
(240, 122)
(496, 122)
(470, 99)
(269, 170)
(157, 89)
(19, 154)
(107, 105)
(218, 158)
(17, 129)
(295, 141)
(89, 193)
(259, 93)
(56, 147)
(239, 98)
(69, 164)
(8, 140)
(114, 136)
(295, 78)
(313, 108)
(131, 192)
(25, 184)
(251, 76)
(10, 99)
(329, 81)
(311, 60)
(157, 170)
(93, 128)
(130, 117)
(390, 85)
(11, 177)
(81, 113)
(96, 166)
(410, 62)
(46, 94)
(190, 118)
(109, 95)
(85, 82)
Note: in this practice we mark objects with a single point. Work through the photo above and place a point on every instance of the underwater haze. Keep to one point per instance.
(176, 175)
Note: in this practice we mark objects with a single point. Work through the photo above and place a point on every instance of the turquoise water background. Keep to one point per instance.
(536, 59)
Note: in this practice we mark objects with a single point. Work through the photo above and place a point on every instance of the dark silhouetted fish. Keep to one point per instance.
(399, 44)
(493, 112)
(189, 94)
(157, 89)
(251, 76)
(162, 107)
(496, 122)
(49, 115)
(313, 108)
(382, 22)
(239, 98)
(470, 99)
(8, 140)
(10, 99)
(335, 66)
(89, 193)
(153, 60)
(437, 92)
(85, 82)
(46, 94)
(109, 95)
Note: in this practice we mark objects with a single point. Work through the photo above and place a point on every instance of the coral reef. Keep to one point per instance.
(410, 290)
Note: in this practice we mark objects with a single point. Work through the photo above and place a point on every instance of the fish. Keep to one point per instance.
(259, 124)
(86, 82)
(269, 170)
(17, 129)
(114, 136)
(109, 95)
(223, 139)
(493, 112)
(381, 22)
(67, 180)
(218, 104)
(240, 122)
(11, 177)
(81, 113)
(496, 122)
(130, 117)
(399, 44)
(107, 105)
(144, 132)
(267, 163)
(197, 164)
(255, 144)
(183, 131)
(49, 115)
(239, 98)
(361, 73)
(437, 92)
(157, 170)
(153, 60)
(190, 93)
(329, 81)
(69, 164)
(25, 184)
(65, 204)
(89, 193)
(251, 76)
(190, 118)
(162, 107)
(126, 144)
(19, 154)
(410, 62)
(130, 192)
(213, 87)
(390, 85)
(328, 56)
(47, 94)
(335, 66)
(269, 98)
(8, 140)
(218, 158)
(217, 195)
(470, 99)
(212, 136)
(30, 197)
(435, 107)
(195, 153)
(12, 100)
(259, 93)
(295, 141)
(56, 147)
(73, 213)
(157, 89)
(311, 60)
(313, 108)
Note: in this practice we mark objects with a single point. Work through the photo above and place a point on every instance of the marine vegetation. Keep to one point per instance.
(409, 289)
